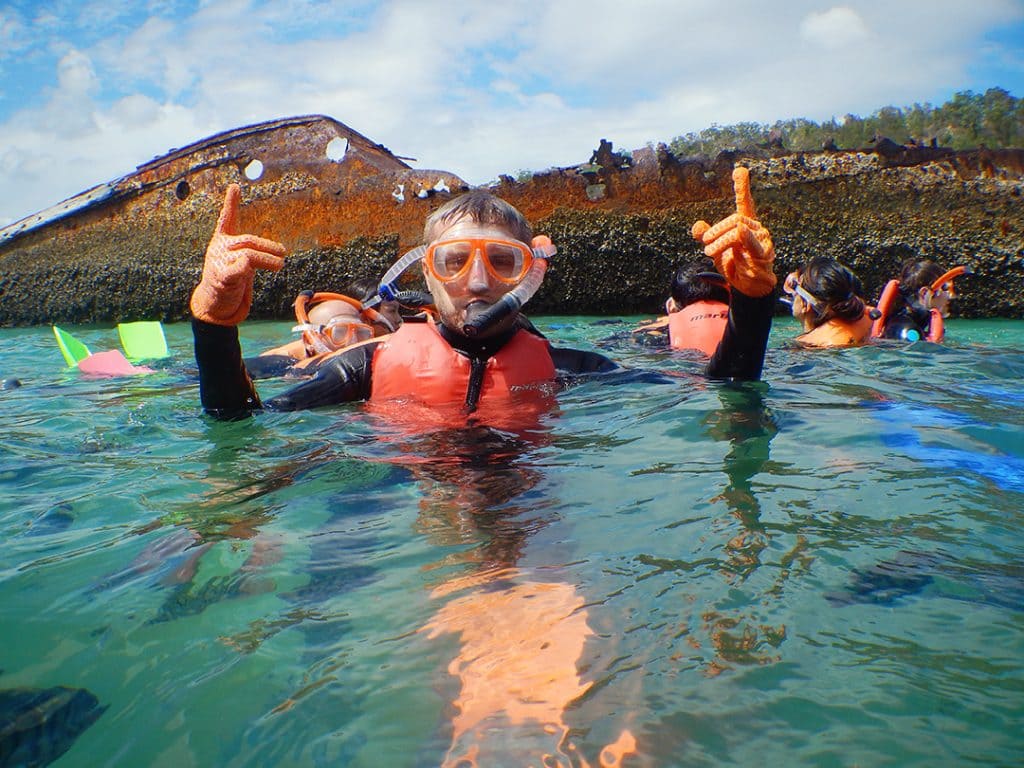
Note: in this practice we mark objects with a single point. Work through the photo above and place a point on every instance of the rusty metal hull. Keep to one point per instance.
(347, 206)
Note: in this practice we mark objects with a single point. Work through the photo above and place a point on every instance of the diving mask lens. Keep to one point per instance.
(506, 260)
(342, 333)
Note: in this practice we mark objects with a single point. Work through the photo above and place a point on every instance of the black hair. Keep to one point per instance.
(688, 288)
(836, 288)
(362, 289)
(916, 274)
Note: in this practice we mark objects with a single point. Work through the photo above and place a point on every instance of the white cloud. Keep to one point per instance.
(13, 34)
(837, 27)
(475, 89)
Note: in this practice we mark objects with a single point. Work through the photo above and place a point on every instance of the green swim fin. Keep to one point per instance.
(72, 349)
(143, 340)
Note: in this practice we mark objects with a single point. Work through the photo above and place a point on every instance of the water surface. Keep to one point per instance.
(820, 569)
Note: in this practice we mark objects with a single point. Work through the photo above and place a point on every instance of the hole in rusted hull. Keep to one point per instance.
(336, 149)
(253, 170)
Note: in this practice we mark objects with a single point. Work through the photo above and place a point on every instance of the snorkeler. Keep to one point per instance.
(326, 322)
(915, 306)
(825, 298)
(697, 311)
(481, 264)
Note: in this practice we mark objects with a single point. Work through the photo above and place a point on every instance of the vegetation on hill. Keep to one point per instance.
(969, 120)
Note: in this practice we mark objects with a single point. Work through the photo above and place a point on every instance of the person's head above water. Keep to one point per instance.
(331, 321)
(477, 251)
(916, 285)
(697, 281)
(364, 289)
(823, 290)
(333, 309)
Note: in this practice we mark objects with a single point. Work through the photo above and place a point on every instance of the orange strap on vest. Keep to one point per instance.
(698, 326)
(885, 302)
(936, 327)
(416, 361)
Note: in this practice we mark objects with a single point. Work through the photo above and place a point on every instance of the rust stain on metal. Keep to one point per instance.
(307, 181)
(133, 247)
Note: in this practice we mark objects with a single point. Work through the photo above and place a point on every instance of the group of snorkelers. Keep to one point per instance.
(465, 343)
(465, 335)
(825, 296)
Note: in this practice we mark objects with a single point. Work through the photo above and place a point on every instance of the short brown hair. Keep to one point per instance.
(483, 208)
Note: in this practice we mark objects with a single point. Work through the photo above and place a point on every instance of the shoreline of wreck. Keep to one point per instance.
(347, 207)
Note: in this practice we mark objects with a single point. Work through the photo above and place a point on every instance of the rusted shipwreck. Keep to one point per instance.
(347, 206)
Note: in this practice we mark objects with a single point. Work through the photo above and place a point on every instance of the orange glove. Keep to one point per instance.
(740, 247)
(224, 295)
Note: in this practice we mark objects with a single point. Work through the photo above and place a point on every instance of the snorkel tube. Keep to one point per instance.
(936, 323)
(950, 276)
(387, 291)
(512, 302)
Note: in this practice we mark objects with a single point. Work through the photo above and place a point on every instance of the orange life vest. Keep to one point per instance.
(417, 362)
(698, 326)
(936, 330)
(839, 333)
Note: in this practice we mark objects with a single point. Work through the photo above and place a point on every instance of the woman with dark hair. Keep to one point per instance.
(914, 306)
(826, 300)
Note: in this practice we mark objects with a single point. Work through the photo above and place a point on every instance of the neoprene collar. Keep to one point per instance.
(477, 348)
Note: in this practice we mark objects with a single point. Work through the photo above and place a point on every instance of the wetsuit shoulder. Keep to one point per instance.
(342, 378)
(268, 366)
(580, 361)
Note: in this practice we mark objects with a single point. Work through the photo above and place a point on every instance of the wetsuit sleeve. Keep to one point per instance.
(268, 366)
(343, 378)
(227, 391)
(580, 361)
(225, 388)
(740, 354)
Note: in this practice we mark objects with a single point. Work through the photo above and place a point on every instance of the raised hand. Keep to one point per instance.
(740, 247)
(224, 295)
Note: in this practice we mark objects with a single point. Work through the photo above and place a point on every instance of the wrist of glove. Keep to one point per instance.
(743, 252)
(213, 304)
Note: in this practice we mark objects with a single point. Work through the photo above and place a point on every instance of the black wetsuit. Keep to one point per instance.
(227, 391)
(909, 317)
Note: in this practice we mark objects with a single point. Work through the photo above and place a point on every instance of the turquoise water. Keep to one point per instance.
(823, 569)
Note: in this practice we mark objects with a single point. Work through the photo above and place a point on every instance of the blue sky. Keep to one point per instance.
(89, 90)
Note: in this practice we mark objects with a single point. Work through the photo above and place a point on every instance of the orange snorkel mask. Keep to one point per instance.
(338, 332)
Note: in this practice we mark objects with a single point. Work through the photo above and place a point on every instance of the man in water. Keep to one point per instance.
(480, 263)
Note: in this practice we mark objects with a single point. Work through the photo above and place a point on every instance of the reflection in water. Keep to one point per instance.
(521, 640)
(748, 426)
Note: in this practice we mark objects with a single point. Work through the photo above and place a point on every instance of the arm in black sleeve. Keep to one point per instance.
(740, 354)
(580, 361)
(268, 366)
(225, 388)
(342, 378)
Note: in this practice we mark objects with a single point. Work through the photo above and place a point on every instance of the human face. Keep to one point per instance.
(389, 310)
(938, 299)
(802, 306)
(475, 289)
